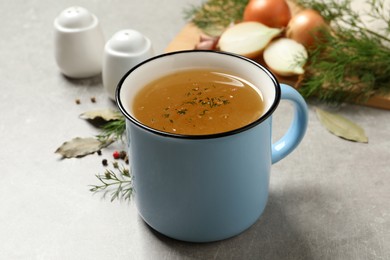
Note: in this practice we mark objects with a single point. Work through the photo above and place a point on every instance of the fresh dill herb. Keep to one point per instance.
(112, 130)
(214, 16)
(117, 182)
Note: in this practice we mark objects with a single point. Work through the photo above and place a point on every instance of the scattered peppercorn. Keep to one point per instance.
(99, 152)
(78, 102)
(104, 162)
(116, 155)
(122, 155)
(93, 99)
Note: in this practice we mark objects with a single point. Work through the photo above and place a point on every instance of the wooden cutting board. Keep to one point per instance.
(189, 36)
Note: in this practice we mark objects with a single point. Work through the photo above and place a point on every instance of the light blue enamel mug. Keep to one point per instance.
(207, 187)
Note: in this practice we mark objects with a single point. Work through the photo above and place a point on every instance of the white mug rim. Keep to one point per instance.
(267, 114)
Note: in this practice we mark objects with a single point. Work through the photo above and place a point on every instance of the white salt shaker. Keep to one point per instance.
(122, 52)
(79, 43)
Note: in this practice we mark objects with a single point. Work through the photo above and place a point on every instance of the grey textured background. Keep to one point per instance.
(328, 200)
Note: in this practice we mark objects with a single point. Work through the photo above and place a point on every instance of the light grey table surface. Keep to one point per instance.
(328, 200)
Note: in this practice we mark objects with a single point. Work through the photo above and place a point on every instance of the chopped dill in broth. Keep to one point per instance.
(198, 102)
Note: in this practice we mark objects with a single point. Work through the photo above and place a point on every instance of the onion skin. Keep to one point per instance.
(205, 45)
(305, 27)
(207, 42)
(273, 13)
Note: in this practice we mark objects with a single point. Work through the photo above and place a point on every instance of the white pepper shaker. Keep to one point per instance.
(79, 43)
(122, 52)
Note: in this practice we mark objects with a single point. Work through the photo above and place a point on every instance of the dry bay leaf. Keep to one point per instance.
(79, 147)
(341, 126)
(105, 114)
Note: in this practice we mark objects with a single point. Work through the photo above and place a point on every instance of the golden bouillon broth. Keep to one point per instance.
(198, 102)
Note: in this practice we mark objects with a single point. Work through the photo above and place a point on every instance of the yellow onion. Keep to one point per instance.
(306, 27)
(273, 13)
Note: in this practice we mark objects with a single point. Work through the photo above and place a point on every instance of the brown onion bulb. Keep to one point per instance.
(305, 27)
(273, 13)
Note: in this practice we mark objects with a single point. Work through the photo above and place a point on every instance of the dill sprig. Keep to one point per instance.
(353, 62)
(117, 182)
(347, 69)
(214, 16)
(112, 130)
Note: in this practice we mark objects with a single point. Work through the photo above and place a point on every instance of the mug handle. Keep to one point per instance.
(297, 129)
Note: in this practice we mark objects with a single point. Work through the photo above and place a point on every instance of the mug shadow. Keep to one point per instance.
(273, 236)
